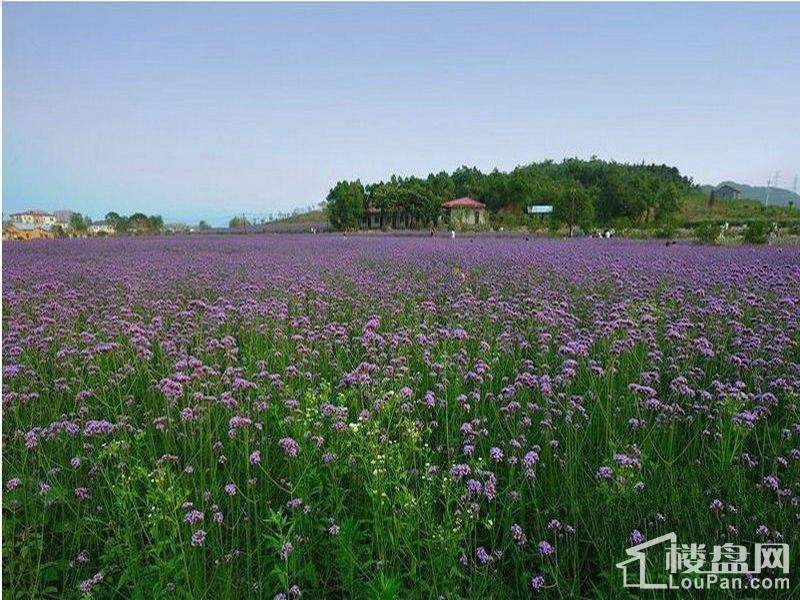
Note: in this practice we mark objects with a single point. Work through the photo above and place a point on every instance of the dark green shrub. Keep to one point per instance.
(708, 232)
(756, 233)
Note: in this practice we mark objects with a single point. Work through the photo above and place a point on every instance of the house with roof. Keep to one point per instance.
(461, 212)
(373, 218)
(464, 211)
(727, 192)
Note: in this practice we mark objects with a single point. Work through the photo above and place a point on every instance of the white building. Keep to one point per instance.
(102, 228)
(32, 218)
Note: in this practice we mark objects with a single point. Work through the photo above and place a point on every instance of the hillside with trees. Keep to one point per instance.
(583, 193)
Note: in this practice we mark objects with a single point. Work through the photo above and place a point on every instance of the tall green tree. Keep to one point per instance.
(117, 221)
(614, 197)
(668, 201)
(421, 203)
(573, 205)
(138, 223)
(78, 222)
(346, 204)
(467, 181)
(239, 222)
(441, 185)
(155, 223)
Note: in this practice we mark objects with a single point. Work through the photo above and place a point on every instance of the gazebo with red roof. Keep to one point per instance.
(464, 211)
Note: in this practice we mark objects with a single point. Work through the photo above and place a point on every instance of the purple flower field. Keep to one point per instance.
(284, 416)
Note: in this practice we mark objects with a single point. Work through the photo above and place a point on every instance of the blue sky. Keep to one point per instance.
(208, 110)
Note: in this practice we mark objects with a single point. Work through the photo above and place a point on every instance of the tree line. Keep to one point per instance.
(135, 223)
(583, 193)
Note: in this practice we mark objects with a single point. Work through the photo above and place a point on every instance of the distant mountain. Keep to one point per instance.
(777, 196)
